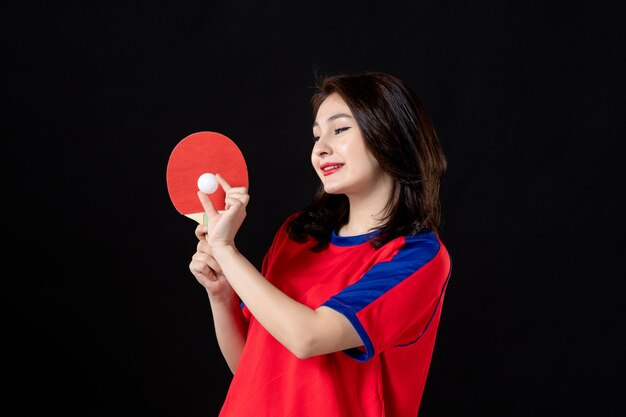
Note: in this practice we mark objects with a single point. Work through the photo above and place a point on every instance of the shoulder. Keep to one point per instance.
(288, 219)
(420, 248)
(426, 240)
(292, 216)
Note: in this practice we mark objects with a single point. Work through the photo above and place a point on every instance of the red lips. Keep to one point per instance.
(338, 166)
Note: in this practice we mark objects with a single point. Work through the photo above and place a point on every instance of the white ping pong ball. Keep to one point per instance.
(207, 183)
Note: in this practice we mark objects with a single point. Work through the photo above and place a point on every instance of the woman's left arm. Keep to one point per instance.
(303, 331)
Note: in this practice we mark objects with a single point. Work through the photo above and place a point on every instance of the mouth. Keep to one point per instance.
(330, 168)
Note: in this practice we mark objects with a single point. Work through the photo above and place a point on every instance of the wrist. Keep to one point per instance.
(218, 244)
(225, 297)
(222, 248)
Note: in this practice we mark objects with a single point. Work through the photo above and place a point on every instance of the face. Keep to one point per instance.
(340, 157)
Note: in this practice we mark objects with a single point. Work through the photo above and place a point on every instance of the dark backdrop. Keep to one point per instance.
(101, 315)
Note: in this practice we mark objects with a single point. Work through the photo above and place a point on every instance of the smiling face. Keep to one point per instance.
(340, 157)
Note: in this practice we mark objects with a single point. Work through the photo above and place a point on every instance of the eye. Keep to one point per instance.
(341, 129)
(315, 138)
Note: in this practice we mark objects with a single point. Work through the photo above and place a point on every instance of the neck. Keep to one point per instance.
(367, 210)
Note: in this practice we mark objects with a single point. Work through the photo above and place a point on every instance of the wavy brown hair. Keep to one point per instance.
(399, 133)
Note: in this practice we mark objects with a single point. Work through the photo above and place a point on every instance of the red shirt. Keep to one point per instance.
(392, 296)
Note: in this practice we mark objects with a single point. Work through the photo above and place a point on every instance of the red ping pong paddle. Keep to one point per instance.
(197, 154)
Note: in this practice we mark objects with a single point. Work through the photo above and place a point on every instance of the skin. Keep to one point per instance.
(339, 139)
(225, 273)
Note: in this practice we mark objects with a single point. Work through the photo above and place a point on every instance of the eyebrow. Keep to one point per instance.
(333, 117)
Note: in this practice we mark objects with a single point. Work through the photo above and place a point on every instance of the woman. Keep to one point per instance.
(342, 318)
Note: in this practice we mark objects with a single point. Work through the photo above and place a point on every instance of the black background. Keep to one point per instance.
(101, 314)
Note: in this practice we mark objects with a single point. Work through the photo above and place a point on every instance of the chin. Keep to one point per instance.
(332, 190)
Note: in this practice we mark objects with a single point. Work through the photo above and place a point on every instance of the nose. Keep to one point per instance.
(322, 147)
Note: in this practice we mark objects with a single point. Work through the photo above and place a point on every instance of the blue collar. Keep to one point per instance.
(351, 240)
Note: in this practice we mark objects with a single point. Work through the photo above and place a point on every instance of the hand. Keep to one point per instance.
(206, 270)
(222, 226)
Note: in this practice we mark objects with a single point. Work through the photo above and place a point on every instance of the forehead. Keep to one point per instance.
(333, 105)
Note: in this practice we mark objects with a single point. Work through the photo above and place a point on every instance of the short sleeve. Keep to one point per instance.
(395, 300)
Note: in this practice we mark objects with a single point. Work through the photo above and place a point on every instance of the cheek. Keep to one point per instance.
(368, 165)
(313, 159)
(373, 162)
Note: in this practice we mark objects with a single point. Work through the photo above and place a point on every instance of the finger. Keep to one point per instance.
(240, 190)
(242, 198)
(201, 231)
(201, 268)
(211, 275)
(202, 260)
(207, 204)
(203, 246)
(226, 186)
(199, 257)
(214, 265)
(233, 202)
(236, 195)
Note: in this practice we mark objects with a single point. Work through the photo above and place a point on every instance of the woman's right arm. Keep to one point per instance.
(231, 326)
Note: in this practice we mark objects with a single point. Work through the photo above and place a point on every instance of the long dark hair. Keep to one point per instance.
(399, 133)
